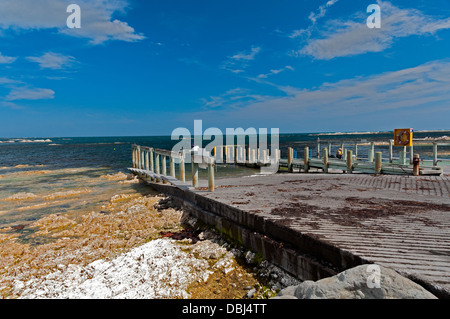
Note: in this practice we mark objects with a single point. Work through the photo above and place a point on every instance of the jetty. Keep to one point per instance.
(315, 224)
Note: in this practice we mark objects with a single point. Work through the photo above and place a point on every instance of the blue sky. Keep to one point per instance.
(146, 67)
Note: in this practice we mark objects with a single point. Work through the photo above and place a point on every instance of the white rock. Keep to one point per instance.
(358, 283)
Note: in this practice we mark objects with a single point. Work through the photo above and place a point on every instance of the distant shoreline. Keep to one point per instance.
(40, 139)
(374, 133)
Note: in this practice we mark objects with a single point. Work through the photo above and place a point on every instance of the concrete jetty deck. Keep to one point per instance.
(316, 225)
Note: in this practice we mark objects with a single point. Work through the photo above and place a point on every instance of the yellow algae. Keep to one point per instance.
(116, 177)
(52, 223)
(21, 166)
(68, 193)
(31, 207)
(5, 237)
(20, 197)
(121, 178)
(128, 223)
(25, 173)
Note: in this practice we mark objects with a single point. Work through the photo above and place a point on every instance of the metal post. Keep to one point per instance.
(325, 159)
(211, 177)
(435, 154)
(349, 161)
(390, 151)
(306, 159)
(182, 168)
(371, 152)
(164, 170)
(378, 163)
(416, 164)
(152, 166)
(194, 174)
(318, 149)
(290, 158)
(172, 166)
(157, 166)
(404, 155)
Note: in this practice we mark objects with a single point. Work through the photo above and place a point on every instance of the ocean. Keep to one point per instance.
(74, 175)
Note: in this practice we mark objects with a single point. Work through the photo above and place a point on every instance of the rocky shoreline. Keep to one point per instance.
(134, 247)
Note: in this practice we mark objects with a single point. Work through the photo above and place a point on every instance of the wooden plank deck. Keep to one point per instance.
(399, 222)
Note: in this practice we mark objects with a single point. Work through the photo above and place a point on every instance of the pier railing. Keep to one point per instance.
(151, 163)
(374, 163)
(159, 165)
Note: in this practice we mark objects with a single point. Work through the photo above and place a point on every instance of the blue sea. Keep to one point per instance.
(66, 175)
(115, 152)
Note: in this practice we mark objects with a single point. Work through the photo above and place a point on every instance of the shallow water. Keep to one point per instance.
(27, 195)
(43, 176)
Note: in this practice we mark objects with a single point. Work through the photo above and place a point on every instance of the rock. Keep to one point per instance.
(250, 293)
(284, 297)
(360, 283)
(208, 249)
(288, 291)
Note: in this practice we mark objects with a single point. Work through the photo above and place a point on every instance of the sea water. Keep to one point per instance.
(74, 175)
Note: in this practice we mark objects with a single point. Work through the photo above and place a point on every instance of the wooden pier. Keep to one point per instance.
(152, 163)
(316, 225)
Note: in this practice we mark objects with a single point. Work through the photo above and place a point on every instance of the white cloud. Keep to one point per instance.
(5, 80)
(25, 93)
(55, 61)
(232, 98)
(247, 56)
(239, 62)
(10, 105)
(411, 91)
(275, 71)
(97, 22)
(313, 17)
(350, 37)
(6, 59)
(322, 11)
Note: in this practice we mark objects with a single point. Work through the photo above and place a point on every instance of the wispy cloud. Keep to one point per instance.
(413, 90)
(246, 56)
(313, 17)
(240, 61)
(275, 71)
(6, 59)
(10, 105)
(55, 61)
(6, 80)
(236, 97)
(98, 23)
(25, 93)
(352, 37)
